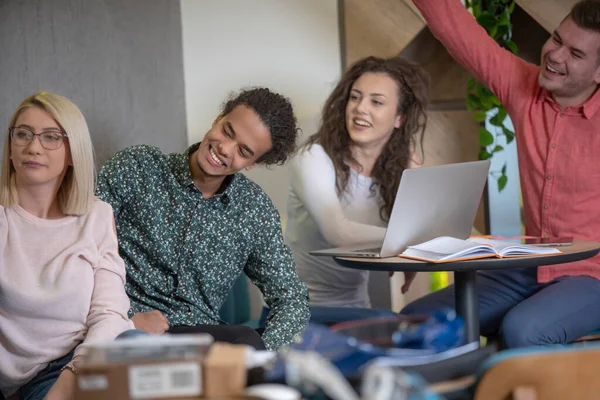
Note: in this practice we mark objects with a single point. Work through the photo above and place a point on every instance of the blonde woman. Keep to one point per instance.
(61, 277)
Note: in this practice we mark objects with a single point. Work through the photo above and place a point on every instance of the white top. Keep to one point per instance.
(319, 219)
(61, 282)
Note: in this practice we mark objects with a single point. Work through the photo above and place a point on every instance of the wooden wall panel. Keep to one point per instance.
(450, 137)
(412, 6)
(548, 13)
(448, 79)
(378, 27)
(529, 35)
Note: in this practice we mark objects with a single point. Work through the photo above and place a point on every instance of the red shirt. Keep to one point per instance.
(557, 149)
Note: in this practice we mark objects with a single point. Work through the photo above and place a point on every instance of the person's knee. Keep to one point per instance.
(131, 333)
(413, 308)
(427, 305)
(519, 330)
(248, 336)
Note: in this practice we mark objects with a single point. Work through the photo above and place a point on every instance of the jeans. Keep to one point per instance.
(132, 333)
(522, 311)
(39, 386)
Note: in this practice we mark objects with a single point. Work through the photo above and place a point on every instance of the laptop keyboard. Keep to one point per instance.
(371, 250)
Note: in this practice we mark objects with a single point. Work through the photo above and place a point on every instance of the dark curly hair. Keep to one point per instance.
(333, 136)
(276, 112)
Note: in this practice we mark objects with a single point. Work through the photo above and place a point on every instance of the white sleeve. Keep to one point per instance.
(313, 180)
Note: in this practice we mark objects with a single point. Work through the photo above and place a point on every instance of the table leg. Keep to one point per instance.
(467, 306)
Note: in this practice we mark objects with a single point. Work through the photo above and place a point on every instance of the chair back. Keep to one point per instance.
(551, 373)
(236, 309)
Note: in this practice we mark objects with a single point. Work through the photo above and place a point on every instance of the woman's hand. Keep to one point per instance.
(64, 387)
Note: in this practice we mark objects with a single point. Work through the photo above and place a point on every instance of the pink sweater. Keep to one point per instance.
(557, 149)
(61, 283)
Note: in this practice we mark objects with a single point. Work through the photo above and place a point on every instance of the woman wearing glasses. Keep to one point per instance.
(61, 277)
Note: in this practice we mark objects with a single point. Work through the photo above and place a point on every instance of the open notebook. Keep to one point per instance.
(448, 249)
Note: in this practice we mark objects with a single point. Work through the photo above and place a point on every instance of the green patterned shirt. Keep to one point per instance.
(183, 252)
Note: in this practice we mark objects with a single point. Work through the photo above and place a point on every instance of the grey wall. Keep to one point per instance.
(119, 61)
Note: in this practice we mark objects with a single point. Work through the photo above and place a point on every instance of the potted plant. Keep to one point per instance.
(494, 17)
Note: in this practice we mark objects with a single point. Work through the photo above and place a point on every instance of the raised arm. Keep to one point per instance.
(313, 181)
(272, 269)
(470, 45)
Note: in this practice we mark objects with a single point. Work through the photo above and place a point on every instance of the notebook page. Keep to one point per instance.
(506, 249)
(445, 247)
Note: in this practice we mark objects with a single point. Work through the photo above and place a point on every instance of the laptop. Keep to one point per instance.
(430, 202)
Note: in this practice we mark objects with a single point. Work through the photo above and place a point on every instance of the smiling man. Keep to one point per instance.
(555, 111)
(190, 224)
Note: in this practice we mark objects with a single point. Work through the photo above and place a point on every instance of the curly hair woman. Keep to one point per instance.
(345, 178)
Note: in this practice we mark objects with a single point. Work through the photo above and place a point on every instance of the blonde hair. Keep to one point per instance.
(76, 192)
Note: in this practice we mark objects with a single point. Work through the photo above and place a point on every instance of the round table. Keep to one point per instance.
(465, 273)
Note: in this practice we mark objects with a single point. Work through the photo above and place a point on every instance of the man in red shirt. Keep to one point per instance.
(555, 109)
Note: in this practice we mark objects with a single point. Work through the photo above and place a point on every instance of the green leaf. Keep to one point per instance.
(511, 8)
(487, 102)
(497, 149)
(512, 46)
(482, 91)
(487, 20)
(484, 155)
(503, 34)
(504, 169)
(496, 102)
(498, 119)
(510, 135)
(485, 137)
(473, 102)
(504, 20)
(480, 116)
(502, 113)
(502, 182)
(471, 84)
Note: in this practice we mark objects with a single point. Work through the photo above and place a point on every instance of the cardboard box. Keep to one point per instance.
(224, 374)
(162, 367)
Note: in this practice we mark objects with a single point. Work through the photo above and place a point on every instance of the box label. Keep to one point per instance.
(160, 380)
(93, 382)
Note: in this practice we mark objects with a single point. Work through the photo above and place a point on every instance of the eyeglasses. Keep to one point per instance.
(50, 140)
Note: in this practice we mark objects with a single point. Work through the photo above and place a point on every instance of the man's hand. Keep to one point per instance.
(409, 277)
(153, 322)
(63, 388)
